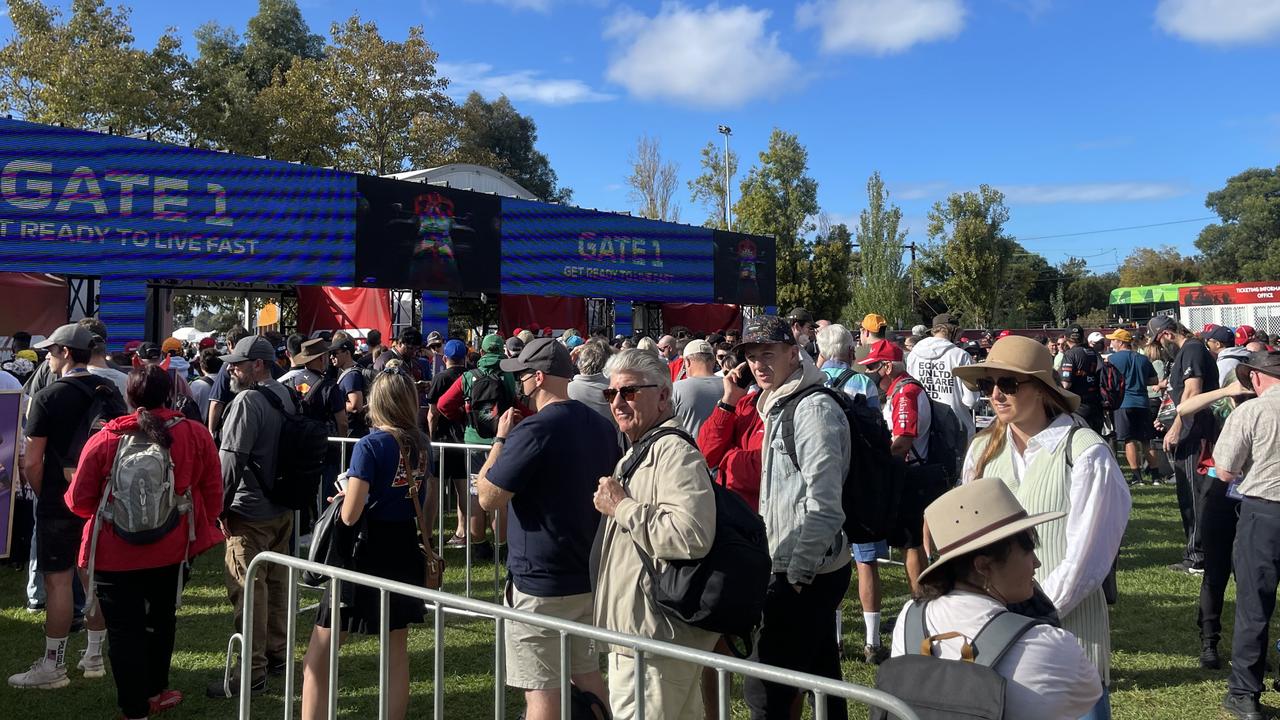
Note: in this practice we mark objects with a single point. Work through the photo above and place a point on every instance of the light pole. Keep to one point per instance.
(726, 131)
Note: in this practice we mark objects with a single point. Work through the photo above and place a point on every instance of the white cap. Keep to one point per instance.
(1095, 337)
(698, 346)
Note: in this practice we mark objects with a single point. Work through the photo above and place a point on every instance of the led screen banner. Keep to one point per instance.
(745, 269)
(566, 251)
(86, 203)
(426, 237)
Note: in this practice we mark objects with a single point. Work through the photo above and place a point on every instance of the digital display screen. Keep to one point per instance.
(567, 251)
(426, 237)
(80, 202)
(745, 269)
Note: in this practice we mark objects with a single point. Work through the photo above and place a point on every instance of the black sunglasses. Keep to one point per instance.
(1007, 385)
(628, 392)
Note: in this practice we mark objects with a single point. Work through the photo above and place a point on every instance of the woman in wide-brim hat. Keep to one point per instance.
(987, 561)
(1052, 463)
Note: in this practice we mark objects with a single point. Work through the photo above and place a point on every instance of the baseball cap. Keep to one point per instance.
(1122, 335)
(491, 343)
(207, 342)
(348, 344)
(434, 338)
(514, 345)
(149, 351)
(945, 319)
(882, 351)
(171, 344)
(764, 329)
(919, 330)
(1245, 334)
(873, 322)
(698, 346)
(1161, 323)
(1221, 334)
(130, 347)
(455, 349)
(1095, 336)
(544, 354)
(800, 315)
(574, 341)
(253, 347)
(1076, 334)
(71, 335)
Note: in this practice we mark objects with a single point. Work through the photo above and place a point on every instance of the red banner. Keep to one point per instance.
(701, 318)
(38, 303)
(1238, 294)
(335, 308)
(525, 311)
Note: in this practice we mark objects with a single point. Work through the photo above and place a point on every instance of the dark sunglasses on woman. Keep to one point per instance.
(1007, 385)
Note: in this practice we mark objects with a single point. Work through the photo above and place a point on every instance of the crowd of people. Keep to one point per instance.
(592, 461)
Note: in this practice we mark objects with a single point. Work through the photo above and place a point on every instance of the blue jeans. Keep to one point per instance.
(1101, 711)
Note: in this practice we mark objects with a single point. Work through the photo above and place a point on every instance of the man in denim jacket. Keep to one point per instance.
(800, 504)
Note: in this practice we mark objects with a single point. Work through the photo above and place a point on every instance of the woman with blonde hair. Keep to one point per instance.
(1052, 463)
(388, 471)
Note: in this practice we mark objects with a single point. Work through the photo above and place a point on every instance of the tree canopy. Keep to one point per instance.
(1245, 245)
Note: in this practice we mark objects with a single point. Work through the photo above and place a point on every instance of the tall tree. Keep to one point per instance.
(710, 188)
(496, 135)
(275, 38)
(1245, 245)
(652, 181)
(382, 86)
(778, 198)
(300, 113)
(1154, 266)
(881, 284)
(970, 252)
(1058, 305)
(828, 270)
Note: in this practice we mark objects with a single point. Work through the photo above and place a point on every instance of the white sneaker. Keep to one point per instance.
(93, 666)
(43, 675)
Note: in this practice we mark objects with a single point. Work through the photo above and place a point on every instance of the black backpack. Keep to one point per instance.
(873, 483)
(105, 405)
(937, 689)
(487, 398)
(947, 438)
(300, 456)
(1110, 386)
(724, 590)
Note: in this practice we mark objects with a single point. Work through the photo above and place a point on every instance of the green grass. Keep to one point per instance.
(1155, 673)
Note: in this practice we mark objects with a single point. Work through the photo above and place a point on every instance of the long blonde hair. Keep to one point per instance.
(1054, 405)
(393, 407)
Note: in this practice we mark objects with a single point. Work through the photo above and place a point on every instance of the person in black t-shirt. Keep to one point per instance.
(55, 424)
(545, 467)
(444, 430)
(1193, 372)
(351, 383)
(1080, 365)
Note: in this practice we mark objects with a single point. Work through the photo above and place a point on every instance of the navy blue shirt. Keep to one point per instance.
(552, 462)
(376, 460)
(1137, 370)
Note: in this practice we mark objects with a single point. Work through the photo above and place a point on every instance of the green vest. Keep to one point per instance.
(1045, 488)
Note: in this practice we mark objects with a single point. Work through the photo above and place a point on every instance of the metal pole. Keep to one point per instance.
(438, 670)
(728, 187)
(384, 654)
(499, 668)
(466, 567)
(290, 638)
(246, 646)
(819, 705)
(722, 678)
(335, 623)
(564, 675)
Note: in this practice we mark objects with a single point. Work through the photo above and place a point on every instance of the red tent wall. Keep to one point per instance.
(706, 318)
(37, 303)
(561, 313)
(333, 308)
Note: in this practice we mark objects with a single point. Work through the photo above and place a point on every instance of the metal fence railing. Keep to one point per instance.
(440, 603)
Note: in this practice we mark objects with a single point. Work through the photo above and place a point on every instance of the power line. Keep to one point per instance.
(1118, 229)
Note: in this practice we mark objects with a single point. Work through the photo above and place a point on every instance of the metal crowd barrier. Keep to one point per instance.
(441, 602)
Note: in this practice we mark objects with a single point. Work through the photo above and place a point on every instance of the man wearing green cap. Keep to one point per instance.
(478, 399)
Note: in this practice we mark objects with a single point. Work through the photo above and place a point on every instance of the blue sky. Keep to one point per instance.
(1088, 114)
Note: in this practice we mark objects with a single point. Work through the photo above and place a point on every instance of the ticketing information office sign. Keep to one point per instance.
(80, 202)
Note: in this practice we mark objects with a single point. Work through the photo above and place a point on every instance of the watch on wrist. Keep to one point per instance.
(499, 440)
(726, 407)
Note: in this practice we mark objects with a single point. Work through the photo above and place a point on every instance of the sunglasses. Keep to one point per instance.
(721, 357)
(628, 392)
(1007, 385)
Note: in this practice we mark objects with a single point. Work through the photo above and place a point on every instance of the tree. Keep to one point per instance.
(276, 37)
(1152, 266)
(969, 253)
(881, 284)
(496, 135)
(777, 198)
(381, 86)
(828, 271)
(709, 187)
(653, 182)
(1245, 245)
(1090, 293)
(300, 114)
(1059, 306)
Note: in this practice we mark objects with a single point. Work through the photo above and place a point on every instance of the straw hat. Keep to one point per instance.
(974, 516)
(1020, 356)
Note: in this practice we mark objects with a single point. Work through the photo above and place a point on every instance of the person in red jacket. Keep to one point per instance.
(732, 439)
(139, 585)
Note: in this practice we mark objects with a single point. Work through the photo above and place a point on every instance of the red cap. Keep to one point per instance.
(1004, 333)
(1245, 335)
(883, 351)
(132, 346)
(206, 342)
(1208, 328)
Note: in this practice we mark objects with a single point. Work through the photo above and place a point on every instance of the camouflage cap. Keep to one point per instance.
(763, 329)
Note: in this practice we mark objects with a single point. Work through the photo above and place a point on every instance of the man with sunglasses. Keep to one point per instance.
(546, 466)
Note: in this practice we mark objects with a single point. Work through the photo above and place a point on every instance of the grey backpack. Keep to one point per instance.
(140, 500)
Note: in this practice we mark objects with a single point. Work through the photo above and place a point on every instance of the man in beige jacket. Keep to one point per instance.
(665, 510)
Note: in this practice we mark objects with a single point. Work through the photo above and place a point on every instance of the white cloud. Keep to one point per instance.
(918, 191)
(881, 27)
(713, 57)
(1221, 22)
(535, 5)
(1047, 194)
(521, 85)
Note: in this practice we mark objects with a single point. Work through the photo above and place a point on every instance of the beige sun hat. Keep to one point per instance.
(974, 516)
(1020, 356)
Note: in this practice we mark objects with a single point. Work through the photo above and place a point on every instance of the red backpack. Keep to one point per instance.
(1110, 386)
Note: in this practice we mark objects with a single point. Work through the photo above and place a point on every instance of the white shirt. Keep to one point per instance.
(1049, 677)
(8, 381)
(1099, 511)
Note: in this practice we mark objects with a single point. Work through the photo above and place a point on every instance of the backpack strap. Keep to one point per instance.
(914, 628)
(642, 446)
(274, 400)
(838, 382)
(1071, 435)
(788, 417)
(995, 638)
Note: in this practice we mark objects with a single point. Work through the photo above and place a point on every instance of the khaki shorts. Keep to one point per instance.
(533, 653)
